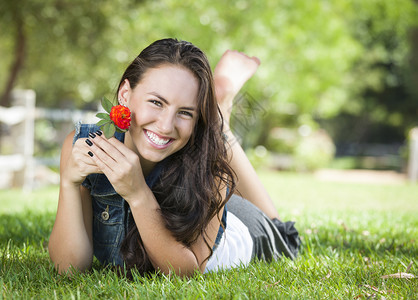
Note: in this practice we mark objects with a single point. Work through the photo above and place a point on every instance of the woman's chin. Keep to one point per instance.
(152, 157)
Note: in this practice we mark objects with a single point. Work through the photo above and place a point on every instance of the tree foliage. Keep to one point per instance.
(384, 99)
(320, 59)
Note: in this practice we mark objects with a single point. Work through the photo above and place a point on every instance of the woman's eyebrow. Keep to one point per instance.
(168, 103)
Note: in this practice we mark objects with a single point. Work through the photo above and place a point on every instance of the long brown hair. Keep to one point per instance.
(188, 190)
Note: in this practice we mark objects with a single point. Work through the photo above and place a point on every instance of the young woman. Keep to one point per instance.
(163, 196)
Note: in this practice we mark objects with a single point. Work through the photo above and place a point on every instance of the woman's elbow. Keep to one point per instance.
(71, 261)
(71, 266)
(187, 269)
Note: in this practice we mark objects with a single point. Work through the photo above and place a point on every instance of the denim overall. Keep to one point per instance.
(112, 216)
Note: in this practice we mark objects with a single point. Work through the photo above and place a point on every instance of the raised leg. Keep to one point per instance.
(231, 73)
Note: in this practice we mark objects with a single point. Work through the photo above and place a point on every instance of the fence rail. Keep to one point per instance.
(18, 168)
(64, 114)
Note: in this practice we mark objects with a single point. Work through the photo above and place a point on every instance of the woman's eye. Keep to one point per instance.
(186, 113)
(156, 102)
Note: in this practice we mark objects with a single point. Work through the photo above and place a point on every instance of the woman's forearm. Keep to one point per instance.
(70, 243)
(165, 252)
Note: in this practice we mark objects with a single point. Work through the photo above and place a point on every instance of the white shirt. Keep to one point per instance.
(235, 247)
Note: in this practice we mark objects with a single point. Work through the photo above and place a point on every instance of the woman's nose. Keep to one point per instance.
(166, 122)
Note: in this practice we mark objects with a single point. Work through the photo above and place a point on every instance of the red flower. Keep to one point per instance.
(121, 116)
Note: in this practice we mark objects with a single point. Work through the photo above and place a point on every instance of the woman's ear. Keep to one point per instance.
(124, 93)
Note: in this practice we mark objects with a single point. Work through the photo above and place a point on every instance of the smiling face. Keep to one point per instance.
(164, 112)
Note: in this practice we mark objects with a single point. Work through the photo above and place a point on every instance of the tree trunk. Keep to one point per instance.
(20, 45)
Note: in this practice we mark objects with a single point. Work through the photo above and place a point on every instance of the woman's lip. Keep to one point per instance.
(160, 136)
(171, 140)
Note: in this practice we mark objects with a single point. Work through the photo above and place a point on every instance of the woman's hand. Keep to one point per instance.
(79, 163)
(120, 165)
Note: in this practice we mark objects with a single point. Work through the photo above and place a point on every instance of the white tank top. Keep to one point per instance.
(235, 247)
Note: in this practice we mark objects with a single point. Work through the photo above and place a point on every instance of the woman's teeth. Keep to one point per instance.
(155, 139)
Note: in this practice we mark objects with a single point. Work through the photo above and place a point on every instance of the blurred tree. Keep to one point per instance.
(60, 48)
(11, 13)
(383, 102)
(321, 60)
(298, 42)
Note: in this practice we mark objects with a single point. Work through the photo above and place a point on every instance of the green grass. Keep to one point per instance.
(352, 234)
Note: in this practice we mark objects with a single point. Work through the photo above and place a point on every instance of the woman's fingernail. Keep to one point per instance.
(88, 142)
(98, 132)
(90, 153)
(92, 135)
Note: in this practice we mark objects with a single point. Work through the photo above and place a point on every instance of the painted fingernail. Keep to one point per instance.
(92, 135)
(88, 142)
(90, 153)
(99, 133)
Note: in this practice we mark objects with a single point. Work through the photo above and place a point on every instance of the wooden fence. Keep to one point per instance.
(413, 155)
(17, 161)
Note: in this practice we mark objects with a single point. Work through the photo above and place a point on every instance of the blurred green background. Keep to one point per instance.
(338, 79)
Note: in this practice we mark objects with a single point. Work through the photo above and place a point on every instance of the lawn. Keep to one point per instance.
(353, 236)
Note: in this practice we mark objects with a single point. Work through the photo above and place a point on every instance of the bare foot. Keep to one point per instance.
(232, 71)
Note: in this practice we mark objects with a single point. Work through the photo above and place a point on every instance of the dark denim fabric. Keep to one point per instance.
(112, 216)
